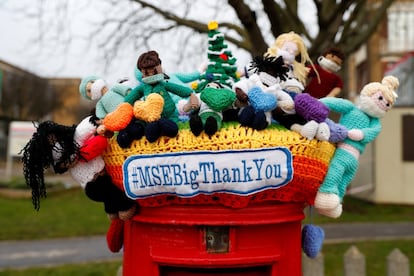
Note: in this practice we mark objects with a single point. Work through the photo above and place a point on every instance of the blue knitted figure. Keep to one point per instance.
(363, 124)
(95, 88)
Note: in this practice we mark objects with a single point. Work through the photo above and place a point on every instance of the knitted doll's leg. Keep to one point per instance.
(196, 125)
(99, 191)
(211, 121)
(259, 121)
(348, 176)
(246, 116)
(335, 172)
(115, 235)
(169, 127)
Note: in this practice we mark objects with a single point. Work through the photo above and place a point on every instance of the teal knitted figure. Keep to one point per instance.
(364, 125)
(153, 81)
(95, 88)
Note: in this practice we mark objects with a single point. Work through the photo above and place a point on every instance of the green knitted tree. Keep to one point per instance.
(221, 66)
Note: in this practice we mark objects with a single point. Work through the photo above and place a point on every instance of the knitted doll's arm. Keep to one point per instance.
(121, 89)
(337, 104)
(100, 110)
(179, 90)
(372, 131)
(135, 94)
(84, 131)
(188, 77)
(93, 147)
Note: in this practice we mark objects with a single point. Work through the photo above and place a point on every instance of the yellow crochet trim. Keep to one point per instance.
(231, 136)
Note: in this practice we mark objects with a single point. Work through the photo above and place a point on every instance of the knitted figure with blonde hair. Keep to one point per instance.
(364, 125)
(289, 46)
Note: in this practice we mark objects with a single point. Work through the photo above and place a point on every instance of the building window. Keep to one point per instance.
(400, 23)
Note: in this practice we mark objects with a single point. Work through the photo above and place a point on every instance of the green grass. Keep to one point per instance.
(64, 213)
(375, 253)
(87, 269)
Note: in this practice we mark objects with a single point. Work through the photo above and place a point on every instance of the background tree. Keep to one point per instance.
(178, 28)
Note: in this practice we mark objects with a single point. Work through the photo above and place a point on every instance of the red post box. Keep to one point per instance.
(261, 239)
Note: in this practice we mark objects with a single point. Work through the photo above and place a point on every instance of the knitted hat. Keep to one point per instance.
(221, 66)
(82, 85)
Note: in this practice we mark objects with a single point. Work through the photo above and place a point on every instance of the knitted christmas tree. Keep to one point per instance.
(221, 66)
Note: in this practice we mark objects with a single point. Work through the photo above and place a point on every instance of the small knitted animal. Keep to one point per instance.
(364, 125)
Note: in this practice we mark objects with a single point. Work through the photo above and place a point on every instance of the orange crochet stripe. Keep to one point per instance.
(310, 162)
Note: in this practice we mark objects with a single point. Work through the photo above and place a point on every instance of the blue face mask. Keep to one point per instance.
(153, 79)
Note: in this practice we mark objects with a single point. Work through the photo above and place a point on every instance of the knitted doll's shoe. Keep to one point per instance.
(211, 126)
(124, 139)
(196, 125)
(312, 240)
(246, 116)
(323, 133)
(309, 130)
(136, 129)
(119, 118)
(153, 131)
(127, 214)
(169, 128)
(259, 121)
(115, 235)
(332, 213)
(326, 201)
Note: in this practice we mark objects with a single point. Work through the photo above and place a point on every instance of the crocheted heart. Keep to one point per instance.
(260, 100)
(119, 118)
(312, 240)
(150, 109)
(218, 99)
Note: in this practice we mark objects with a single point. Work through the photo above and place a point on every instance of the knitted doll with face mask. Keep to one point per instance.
(328, 84)
(76, 149)
(364, 125)
(108, 98)
(153, 81)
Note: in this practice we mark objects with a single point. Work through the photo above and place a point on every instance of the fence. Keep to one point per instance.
(354, 264)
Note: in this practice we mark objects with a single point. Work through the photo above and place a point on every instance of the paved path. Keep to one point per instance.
(21, 254)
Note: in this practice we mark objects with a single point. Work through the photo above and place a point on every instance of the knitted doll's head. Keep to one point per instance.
(377, 98)
(270, 69)
(92, 87)
(289, 46)
(331, 60)
(52, 145)
(149, 64)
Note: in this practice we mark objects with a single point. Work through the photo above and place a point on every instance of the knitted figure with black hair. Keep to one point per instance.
(108, 98)
(153, 81)
(322, 78)
(215, 95)
(364, 125)
(76, 149)
(261, 93)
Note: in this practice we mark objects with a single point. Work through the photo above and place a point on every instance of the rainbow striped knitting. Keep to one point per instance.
(310, 163)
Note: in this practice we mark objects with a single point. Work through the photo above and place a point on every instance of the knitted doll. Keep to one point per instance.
(76, 149)
(261, 93)
(108, 99)
(207, 106)
(153, 81)
(328, 84)
(364, 125)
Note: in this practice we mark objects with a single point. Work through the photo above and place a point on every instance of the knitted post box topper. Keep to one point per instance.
(76, 149)
(364, 125)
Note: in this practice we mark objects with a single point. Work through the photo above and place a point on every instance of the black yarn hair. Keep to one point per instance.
(37, 155)
(274, 66)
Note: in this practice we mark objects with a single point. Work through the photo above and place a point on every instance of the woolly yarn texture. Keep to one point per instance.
(310, 162)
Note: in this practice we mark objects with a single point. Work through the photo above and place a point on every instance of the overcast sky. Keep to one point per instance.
(17, 45)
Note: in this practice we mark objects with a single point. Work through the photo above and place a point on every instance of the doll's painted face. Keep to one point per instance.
(96, 89)
(289, 50)
(375, 104)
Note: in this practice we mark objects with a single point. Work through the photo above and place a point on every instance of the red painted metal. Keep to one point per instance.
(263, 239)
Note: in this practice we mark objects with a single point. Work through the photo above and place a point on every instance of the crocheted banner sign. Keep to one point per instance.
(186, 174)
